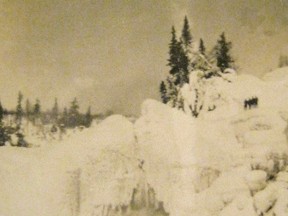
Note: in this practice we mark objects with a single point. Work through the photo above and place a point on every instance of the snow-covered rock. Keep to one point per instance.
(98, 167)
(277, 75)
(241, 206)
(228, 161)
(177, 158)
(223, 94)
(281, 205)
(265, 199)
(256, 180)
(282, 176)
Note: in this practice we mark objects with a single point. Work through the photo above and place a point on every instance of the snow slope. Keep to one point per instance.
(271, 95)
(212, 167)
(229, 161)
(95, 168)
(192, 166)
(277, 75)
(177, 152)
(225, 94)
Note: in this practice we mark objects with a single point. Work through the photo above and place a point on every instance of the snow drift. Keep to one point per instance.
(211, 167)
(229, 161)
(89, 171)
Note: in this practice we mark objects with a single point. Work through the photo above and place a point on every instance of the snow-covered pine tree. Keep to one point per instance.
(28, 108)
(186, 37)
(202, 48)
(64, 118)
(88, 117)
(184, 65)
(185, 54)
(3, 134)
(65, 112)
(173, 61)
(212, 56)
(172, 91)
(180, 52)
(37, 112)
(175, 77)
(224, 59)
(163, 92)
(19, 109)
(201, 61)
(37, 108)
(74, 108)
(74, 115)
(55, 111)
(1, 113)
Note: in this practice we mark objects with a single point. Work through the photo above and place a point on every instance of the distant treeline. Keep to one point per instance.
(69, 117)
(13, 122)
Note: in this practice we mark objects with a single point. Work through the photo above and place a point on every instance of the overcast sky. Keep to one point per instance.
(113, 54)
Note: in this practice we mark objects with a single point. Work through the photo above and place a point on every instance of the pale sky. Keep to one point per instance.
(113, 54)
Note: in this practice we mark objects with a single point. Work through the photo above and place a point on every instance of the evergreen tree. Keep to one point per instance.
(74, 108)
(65, 112)
(37, 109)
(64, 117)
(179, 65)
(212, 55)
(184, 63)
(202, 48)
(19, 110)
(88, 117)
(1, 113)
(174, 49)
(200, 60)
(74, 115)
(172, 92)
(3, 133)
(186, 37)
(224, 60)
(163, 92)
(55, 111)
(185, 52)
(28, 108)
(174, 61)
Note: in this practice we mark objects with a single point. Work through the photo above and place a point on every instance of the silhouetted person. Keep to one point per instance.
(251, 103)
(245, 104)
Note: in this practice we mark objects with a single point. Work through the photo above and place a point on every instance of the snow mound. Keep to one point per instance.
(178, 153)
(234, 165)
(92, 169)
(211, 167)
(223, 95)
(256, 180)
(270, 94)
(278, 75)
(244, 87)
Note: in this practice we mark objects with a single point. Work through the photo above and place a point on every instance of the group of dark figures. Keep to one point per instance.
(251, 103)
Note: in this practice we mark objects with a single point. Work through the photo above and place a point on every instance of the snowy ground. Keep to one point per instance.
(166, 163)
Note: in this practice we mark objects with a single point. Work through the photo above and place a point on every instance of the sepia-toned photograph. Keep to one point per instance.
(143, 107)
